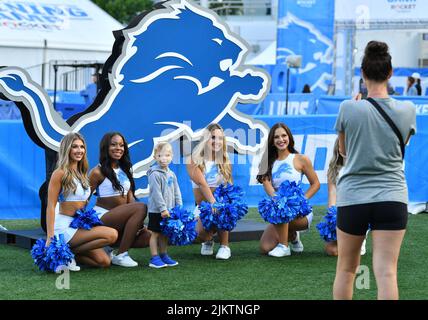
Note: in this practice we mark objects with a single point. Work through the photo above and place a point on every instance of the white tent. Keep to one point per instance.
(33, 33)
(267, 56)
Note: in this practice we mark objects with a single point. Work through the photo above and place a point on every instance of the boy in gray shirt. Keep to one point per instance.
(164, 195)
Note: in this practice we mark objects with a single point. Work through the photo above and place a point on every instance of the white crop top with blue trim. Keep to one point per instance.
(283, 170)
(212, 175)
(81, 193)
(105, 189)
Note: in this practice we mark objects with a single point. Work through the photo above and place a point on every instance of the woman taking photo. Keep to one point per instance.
(372, 188)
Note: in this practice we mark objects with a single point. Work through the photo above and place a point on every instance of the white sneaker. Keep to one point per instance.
(123, 260)
(71, 266)
(280, 251)
(223, 253)
(296, 245)
(207, 248)
(2, 228)
(363, 248)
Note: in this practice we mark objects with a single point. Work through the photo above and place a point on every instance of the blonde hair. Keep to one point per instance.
(67, 183)
(336, 163)
(161, 146)
(198, 154)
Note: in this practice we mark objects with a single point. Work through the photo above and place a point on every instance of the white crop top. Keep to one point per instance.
(212, 175)
(81, 193)
(105, 189)
(283, 170)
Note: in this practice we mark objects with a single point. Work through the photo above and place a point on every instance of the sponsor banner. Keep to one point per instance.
(298, 104)
(305, 27)
(40, 16)
(369, 10)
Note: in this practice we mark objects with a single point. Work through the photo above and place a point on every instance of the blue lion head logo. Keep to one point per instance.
(316, 50)
(283, 168)
(176, 68)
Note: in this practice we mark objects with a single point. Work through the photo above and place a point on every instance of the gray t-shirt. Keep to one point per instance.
(373, 170)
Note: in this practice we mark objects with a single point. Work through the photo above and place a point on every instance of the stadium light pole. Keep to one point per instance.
(292, 61)
(286, 92)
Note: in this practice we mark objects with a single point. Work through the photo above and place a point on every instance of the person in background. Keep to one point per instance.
(411, 87)
(336, 164)
(306, 89)
(418, 86)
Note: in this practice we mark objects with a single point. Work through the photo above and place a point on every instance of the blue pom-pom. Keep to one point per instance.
(206, 215)
(276, 210)
(229, 208)
(294, 192)
(180, 227)
(327, 226)
(50, 258)
(287, 205)
(85, 220)
(38, 253)
(58, 253)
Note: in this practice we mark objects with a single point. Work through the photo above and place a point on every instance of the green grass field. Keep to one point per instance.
(247, 275)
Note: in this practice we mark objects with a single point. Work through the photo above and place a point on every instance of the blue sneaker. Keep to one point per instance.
(166, 259)
(156, 262)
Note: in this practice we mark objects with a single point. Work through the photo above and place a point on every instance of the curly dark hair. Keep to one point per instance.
(124, 162)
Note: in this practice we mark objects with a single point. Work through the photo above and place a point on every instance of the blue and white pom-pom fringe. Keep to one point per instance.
(288, 204)
(327, 226)
(229, 208)
(50, 258)
(85, 219)
(180, 227)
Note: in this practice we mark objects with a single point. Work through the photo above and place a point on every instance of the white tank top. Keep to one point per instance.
(81, 193)
(105, 189)
(212, 175)
(283, 170)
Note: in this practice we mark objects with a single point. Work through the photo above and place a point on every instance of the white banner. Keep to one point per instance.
(370, 10)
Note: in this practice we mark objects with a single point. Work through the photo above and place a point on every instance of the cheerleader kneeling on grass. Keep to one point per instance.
(281, 171)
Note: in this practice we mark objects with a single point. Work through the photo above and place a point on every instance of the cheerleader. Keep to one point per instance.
(281, 162)
(208, 167)
(69, 185)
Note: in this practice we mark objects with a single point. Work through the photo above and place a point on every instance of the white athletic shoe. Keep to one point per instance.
(124, 260)
(2, 228)
(207, 248)
(223, 253)
(296, 245)
(280, 251)
(363, 248)
(71, 266)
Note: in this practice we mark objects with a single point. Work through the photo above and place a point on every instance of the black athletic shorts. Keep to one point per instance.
(388, 215)
(154, 222)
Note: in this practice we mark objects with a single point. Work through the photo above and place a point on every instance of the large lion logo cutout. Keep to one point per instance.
(177, 67)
